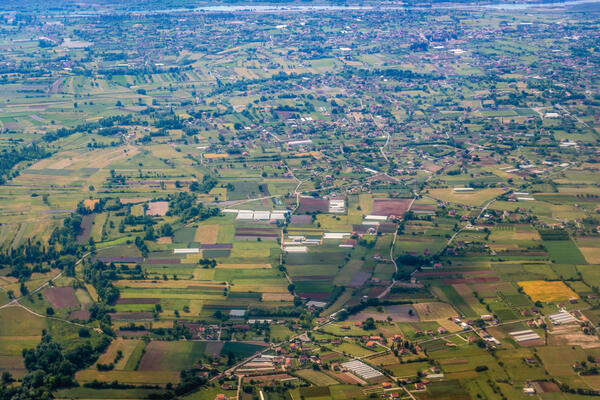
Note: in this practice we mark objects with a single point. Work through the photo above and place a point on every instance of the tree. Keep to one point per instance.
(369, 324)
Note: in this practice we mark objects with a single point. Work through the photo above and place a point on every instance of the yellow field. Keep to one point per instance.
(277, 297)
(547, 291)
(92, 291)
(315, 154)
(207, 234)
(246, 287)
(204, 274)
(591, 254)
(218, 194)
(125, 345)
(137, 210)
(211, 156)
(243, 266)
(90, 203)
(192, 258)
(589, 248)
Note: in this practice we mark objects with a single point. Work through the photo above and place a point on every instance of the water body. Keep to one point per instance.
(510, 6)
(317, 8)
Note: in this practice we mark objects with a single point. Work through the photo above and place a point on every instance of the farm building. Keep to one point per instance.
(525, 336)
(336, 235)
(295, 249)
(299, 142)
(237, 313)
(187, 251)
(361, 369)
(561, 318)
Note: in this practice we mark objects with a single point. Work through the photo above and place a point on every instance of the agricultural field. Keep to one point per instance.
(344, 200)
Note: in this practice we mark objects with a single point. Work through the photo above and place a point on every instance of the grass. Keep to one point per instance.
(451, 295)
(564, 252)
(241, 349)
(135, 356)
(317, 378)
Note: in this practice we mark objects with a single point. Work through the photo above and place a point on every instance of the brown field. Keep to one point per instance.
(155, 352)
(272, 288)
(277, 297)
(207, 234)
(528, 234)
(490, 290)
(270, 378)
(434, 311)
(14, 365)
(389, 207)
(130, 377)
(82, 315)
(547, 290)
(592, 380)
(164, 240)
(349, 378)
(572, 335)
(475, 198)
(546, 387)
(312, 204)
(158, 208)
(87, 223)
(214, 347)
(61, 297)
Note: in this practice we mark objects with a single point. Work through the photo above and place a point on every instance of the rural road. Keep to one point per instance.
(16, 302)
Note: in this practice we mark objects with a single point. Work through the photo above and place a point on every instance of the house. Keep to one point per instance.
(386, 385)
(371, 344)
